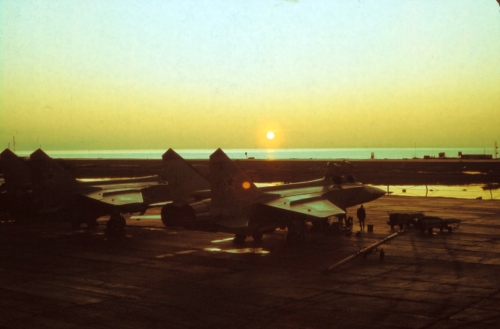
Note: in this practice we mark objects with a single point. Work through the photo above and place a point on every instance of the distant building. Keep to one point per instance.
(476, 156)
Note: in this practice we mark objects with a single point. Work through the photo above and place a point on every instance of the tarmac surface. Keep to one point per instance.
(153, 277)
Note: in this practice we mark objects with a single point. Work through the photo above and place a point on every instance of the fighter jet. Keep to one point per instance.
(43, 186)
(16, 190)
(234, 204)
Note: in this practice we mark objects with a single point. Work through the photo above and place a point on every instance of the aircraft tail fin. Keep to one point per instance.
(183, 179)
(16, 172)
(337, 173)
(332, 170)
(230, 186)
(50, 175)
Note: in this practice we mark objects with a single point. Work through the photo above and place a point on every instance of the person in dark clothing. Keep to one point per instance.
(361, 214)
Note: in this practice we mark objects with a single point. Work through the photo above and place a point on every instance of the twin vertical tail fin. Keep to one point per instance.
(39, 178)
(231, 188)
(49, 176)
(337, 173)
(332, 170)
(16, 173)
(183, 179)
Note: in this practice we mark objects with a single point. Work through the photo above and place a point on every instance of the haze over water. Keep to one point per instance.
(327, 153)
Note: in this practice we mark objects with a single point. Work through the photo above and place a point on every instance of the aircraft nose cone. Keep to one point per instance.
(376, 192)
(369, 193)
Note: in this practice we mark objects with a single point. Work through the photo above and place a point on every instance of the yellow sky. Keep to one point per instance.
(207, 74)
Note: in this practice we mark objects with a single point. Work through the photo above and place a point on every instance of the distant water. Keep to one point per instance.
(473, 191)
(320, 154)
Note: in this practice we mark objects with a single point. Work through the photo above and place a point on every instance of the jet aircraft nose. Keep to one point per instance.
(376, 192)
(369, 193)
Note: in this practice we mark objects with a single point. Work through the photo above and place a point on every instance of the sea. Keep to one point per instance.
(279, 154)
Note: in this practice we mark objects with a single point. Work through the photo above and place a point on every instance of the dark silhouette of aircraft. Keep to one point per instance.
(16, 190)
(39, 185)
(234, 204)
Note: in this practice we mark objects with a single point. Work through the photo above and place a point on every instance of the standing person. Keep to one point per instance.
(361, 214)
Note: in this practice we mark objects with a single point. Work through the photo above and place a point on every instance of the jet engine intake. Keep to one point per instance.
(184, 216)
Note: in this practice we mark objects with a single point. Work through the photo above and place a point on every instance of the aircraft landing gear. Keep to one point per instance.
(173, 216)
(91, 222)
(78, 218)
(168, 215)
(257, 237)
(321, 225)
(239, 238)
(296, 231)
(116, 223)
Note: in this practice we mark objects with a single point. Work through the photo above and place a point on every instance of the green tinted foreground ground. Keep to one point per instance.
(151, 277)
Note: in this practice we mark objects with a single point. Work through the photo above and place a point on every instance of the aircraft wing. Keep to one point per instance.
(116, 198)
(312, 205)
(117, 195)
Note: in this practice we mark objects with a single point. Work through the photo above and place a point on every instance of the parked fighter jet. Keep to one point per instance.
(16, 191)
(235, 205)
(48, 188)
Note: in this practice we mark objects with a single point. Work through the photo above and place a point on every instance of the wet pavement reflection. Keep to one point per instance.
(260, 251)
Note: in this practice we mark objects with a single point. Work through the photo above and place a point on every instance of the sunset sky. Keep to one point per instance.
(89, 75)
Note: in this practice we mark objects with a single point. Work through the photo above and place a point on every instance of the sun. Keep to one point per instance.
(270, 135)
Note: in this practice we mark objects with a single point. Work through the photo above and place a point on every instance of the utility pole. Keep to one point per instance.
(495, 153)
